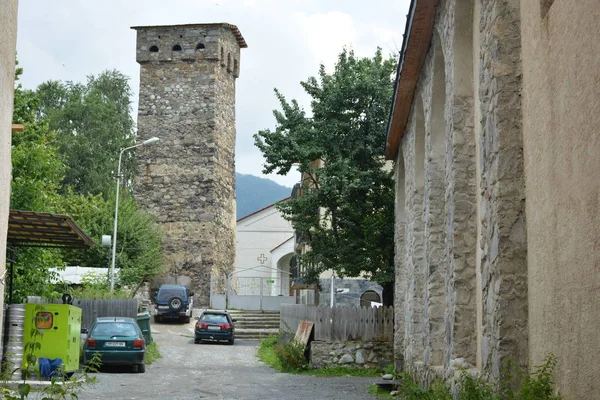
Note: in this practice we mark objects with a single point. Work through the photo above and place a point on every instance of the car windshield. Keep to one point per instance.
(214, 319)
(166, 294)
(114, 329)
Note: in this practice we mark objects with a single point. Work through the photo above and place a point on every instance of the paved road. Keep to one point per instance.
(217, 371)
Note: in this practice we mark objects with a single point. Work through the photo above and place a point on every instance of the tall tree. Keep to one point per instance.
(62, 163)
(93, 123)
(37, 174)
(346, 211)
(139, 254)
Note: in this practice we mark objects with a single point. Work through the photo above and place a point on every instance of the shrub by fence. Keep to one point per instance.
(341, 323)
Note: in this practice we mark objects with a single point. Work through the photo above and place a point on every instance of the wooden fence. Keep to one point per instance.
(94, 308)
(291, 315)
(342, 323)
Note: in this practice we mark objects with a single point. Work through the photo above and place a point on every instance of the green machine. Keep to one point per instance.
(60, 325)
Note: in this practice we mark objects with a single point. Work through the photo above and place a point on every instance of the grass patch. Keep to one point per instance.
(515, 384)
(379, 392)
(274, 354)
(266, 352)
(152, 353)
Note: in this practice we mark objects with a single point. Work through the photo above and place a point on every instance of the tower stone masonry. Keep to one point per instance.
(187, 179)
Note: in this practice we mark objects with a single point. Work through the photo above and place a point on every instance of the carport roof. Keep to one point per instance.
(39, 229)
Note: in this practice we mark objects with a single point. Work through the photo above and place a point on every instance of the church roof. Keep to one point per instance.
(262, 209)
(415, 44)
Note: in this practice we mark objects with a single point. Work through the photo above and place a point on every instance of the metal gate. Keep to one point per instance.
(249, 293)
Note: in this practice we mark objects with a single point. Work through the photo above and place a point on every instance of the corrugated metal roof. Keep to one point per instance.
(30, 229)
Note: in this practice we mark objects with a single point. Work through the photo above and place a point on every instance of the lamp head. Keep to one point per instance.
(151, 140)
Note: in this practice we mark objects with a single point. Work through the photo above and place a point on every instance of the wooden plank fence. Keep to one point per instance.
(342, 323)
(291, 315)
(94, 308)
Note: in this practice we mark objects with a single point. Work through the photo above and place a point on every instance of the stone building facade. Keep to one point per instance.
(187, 180)
(8, 48)
(491, 123)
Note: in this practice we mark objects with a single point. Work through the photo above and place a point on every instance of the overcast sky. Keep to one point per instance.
(287, 40)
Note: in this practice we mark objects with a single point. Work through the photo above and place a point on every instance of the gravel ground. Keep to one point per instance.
(217, 371)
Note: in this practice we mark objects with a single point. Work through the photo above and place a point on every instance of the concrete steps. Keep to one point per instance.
(254, 325)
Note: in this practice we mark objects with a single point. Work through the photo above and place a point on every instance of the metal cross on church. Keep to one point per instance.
(262, 258)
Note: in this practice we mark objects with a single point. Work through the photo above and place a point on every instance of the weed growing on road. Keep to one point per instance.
(266, 352)
(152, 353)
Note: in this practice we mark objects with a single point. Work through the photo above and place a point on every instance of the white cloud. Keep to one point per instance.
(287, 40)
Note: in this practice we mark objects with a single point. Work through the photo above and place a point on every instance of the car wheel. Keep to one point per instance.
(141, 368)
(230, 342)
(197, 341)
(186, 320)
(157, 318)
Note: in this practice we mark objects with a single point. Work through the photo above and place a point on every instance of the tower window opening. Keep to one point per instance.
(154, 49)
(200, 46)
(229, 62)
(177, 48)
(235, 67)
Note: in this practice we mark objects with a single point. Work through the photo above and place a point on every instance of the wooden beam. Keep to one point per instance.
(17, 128)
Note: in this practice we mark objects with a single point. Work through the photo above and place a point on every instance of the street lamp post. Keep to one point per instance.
(114, 244)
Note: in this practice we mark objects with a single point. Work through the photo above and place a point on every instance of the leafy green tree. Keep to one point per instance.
(346, 211)
(93, 123)
(37, 173)
(62, 163)
(139, 254)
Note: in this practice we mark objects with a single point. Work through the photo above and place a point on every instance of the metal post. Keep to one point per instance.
(332, 289)
(114, 249)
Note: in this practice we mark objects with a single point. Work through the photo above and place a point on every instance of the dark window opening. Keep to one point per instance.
(222, 56)
(180, 36)
(229, 62)
(177, 48)
(154, 49)
(159, 36)
(200, 46)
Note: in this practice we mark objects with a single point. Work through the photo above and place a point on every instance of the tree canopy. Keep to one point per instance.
(64, 162)
(93, 123)
(346, 211)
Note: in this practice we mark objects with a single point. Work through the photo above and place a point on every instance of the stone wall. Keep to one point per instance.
(351, 354)
(461, 293)
(187, 180)
(355, 287)
(8, 47)
(562, 158)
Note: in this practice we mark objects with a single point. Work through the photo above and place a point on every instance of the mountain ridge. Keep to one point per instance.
(254, 193)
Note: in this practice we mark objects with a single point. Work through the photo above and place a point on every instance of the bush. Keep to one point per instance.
(291, 355)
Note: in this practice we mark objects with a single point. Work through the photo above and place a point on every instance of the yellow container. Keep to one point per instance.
(60, 329)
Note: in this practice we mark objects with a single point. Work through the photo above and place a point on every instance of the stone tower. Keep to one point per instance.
(187, 179)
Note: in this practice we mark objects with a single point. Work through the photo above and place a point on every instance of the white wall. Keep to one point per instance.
(257, 235)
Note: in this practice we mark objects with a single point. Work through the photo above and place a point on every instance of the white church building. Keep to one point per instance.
(265, 247)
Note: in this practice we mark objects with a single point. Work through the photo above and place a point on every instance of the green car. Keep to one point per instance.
(118, 341)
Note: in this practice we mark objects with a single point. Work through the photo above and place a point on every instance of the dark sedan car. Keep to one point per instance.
(214, 325)
(118, 341)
